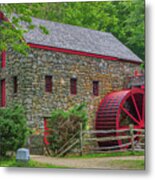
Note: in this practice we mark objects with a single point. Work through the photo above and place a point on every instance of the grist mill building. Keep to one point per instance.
(69, 66)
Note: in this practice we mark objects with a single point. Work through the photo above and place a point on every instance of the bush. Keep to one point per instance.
(64, 124)
(13, 129)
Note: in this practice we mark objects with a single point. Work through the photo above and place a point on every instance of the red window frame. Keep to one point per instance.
(3, 59)
(3, 93)
(95, 88)
(73, 86)
(48, 84)
(15, 84)
(45, 131)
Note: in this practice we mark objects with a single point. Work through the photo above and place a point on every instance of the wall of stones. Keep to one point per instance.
(31, 72)
(17, 65)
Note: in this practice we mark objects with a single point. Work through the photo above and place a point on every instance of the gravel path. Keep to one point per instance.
(99, 163)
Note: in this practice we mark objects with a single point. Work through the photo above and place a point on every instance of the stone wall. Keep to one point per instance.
(31, 72)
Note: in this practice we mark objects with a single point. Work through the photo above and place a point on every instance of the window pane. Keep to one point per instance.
(95, 88)
(15, 84)
(73, 86)
(48, 83)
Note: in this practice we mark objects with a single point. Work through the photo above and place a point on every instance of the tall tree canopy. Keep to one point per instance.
(124, 19)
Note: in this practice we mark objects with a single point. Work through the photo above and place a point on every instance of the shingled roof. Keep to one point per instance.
(79, 39)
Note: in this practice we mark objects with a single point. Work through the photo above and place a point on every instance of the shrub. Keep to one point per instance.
(64, 124)
(13, 129)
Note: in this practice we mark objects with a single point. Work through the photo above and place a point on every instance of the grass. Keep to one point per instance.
(6, 162)
(126, 153)
(112, 164)
(127, 164)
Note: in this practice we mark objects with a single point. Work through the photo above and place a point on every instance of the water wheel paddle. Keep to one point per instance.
(117, 111)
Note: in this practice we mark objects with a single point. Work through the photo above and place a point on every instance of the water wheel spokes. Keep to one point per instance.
(120, 109)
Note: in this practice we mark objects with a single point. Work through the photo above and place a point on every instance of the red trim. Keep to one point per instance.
(3, 62)
(111, 58)
(3, 93)
(49, 48)
(32, 45)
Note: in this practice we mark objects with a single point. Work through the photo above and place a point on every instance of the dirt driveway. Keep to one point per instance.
(99, 163)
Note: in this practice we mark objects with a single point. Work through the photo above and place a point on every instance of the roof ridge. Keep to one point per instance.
(79, 38)
(76, 26)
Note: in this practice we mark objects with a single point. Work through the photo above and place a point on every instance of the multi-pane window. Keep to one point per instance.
(3, 59)
(48, 84)
(15, 85)
(95, 88)
(73, 86)
(3, 93)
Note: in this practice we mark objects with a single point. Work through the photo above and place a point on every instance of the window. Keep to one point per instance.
(73, 86)
(48, 84)
(3, 59)
(3, 93)
(15, 85)
(95, 88)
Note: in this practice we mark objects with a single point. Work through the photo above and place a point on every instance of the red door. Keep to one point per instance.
(45, 132)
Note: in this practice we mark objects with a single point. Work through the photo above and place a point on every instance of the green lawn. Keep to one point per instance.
(32, 164)
(126, 153)
(127, 164)
(114, 164)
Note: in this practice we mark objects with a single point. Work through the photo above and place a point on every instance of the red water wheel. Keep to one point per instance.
(117, 111)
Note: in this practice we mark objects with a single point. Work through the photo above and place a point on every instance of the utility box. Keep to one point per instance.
(23, 155)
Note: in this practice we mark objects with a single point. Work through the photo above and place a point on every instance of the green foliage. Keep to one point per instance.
(43, 29)
(64, 124)
(78, 113)
(13, 129)
(124, 19)
(12, 31)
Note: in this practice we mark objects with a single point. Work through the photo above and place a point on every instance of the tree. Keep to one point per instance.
(124, 19)
(63, 125)
(11, 29)
(13, 129)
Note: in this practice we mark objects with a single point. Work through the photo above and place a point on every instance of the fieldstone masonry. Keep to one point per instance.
(31, 72)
